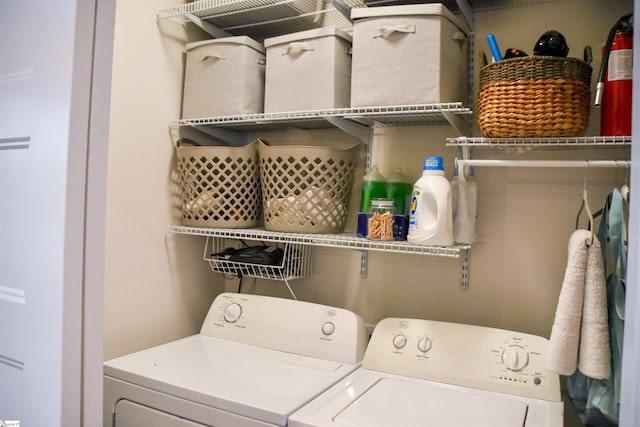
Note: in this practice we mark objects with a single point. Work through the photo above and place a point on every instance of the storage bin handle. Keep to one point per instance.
(386, 30)
(296, 47)
(212, 55)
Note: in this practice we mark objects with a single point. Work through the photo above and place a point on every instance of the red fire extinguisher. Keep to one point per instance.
(614, 87)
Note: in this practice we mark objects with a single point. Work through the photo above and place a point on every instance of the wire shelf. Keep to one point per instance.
(495, 4)
(587, 141)
(266, 18)
(260, 19)
(344, 240)
(295, 261)
(401, 115)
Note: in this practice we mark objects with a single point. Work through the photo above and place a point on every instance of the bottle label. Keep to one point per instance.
(413, 217)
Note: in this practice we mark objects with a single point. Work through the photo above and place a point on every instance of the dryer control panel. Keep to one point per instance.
(466, 355)
(297, 327)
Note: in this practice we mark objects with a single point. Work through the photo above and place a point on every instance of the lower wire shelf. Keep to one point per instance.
(299, 260)
(342, 240)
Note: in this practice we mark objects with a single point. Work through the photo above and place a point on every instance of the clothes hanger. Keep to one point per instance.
(625, 190)
(626, 193)
(585, 204)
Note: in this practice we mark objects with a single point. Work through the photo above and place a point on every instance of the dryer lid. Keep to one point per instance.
(392, 401)
(255, 382)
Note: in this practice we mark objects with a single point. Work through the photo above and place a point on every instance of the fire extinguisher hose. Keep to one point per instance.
(624, 25)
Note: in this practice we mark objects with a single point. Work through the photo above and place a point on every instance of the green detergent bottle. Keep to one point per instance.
(374, 186)
(399, 189)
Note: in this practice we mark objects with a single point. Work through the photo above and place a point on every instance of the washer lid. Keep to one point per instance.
(259, 383)
(408, 403)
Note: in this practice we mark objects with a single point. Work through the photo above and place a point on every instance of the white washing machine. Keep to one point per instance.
(256, 360)
(437, 374)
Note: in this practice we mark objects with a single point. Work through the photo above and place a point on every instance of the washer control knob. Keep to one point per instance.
(515, 358)
(424, 344)
(232, 313)
(328, 328)
(399, 341)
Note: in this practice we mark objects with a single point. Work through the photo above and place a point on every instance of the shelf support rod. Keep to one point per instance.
(362, 132)
(207, 26)
(237, 139)
(462, 163)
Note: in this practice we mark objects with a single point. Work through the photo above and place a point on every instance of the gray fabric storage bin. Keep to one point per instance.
(308, 70)
(409, 54)
(223, 77)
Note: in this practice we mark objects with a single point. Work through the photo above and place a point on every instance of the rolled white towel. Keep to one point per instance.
(562, 353)
(594, 357)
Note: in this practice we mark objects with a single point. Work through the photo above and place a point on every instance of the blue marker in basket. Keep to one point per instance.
(493, 45)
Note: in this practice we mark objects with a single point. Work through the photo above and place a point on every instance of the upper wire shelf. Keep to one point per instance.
(425, 114)
(558, 142)
(260, 19)
(346, 241)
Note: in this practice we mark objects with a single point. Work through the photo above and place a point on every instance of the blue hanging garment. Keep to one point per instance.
(597, 402)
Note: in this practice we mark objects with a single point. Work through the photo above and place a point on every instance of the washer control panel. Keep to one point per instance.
(465, 355)
(294, 326)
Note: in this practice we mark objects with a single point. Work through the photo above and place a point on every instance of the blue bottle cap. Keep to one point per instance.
(433, 163)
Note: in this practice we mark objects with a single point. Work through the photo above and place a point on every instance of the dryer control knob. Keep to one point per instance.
(424, 344)
(515, 358)
(232, 312)
(328, 328)
(399, 341)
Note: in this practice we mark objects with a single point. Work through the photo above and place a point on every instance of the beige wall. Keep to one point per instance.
(158, 288)
(525, 216)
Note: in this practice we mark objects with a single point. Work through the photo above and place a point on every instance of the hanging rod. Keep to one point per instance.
(462, 164)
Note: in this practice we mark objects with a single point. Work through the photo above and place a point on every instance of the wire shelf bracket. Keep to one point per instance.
(231, 137)
(208, 27)
(361, 132)
(464, 258)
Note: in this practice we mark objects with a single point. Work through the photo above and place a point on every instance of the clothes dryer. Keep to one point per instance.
(438, 374)
(255, 361)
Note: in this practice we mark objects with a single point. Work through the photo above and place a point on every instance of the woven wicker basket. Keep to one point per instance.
(534, 96)
(219, 186)
(306, 189)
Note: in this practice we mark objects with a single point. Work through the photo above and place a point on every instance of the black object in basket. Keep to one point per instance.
(262, 255)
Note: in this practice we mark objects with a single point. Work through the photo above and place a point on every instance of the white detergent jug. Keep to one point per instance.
(431, 219)
(464, 196)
